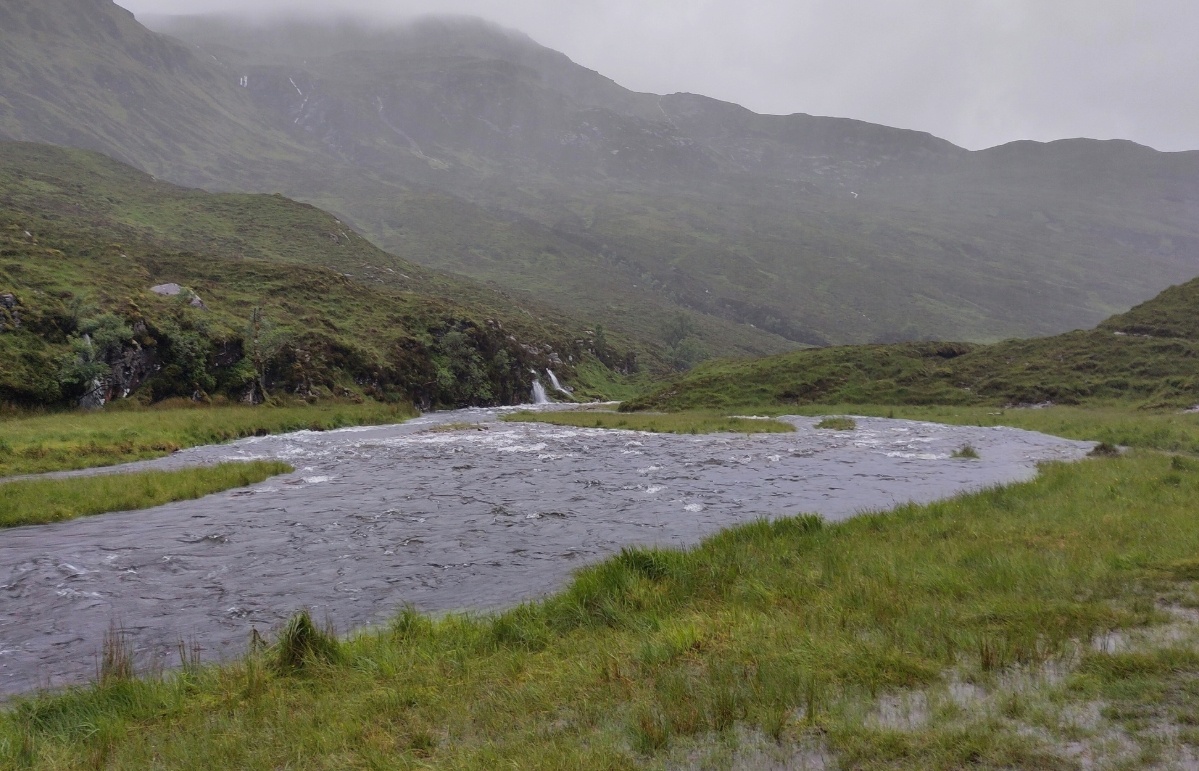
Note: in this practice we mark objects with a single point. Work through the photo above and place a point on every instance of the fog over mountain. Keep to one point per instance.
(690, 226)
(979, 74)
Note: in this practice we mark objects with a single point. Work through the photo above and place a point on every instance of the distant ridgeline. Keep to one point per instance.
(113, 284)
(1148, 356)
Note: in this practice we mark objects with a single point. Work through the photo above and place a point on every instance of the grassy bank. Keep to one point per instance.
(1166, 430)
(958, 633)
(75, 440)
(36, 502)
(655, 422)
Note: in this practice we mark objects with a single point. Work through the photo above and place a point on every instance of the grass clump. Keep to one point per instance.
(75, 440)
(838, 423)
(40, 501)
(794, 628)
(656, 423)
(302, 644)
(966, 452)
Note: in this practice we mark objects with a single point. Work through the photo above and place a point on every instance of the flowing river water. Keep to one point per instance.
(450, 511)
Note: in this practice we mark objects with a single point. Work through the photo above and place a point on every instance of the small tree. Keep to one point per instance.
(264, 341)
(83, 365)
(102, 340)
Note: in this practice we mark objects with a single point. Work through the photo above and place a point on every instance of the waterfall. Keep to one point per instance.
(539, 396)
(554, 382)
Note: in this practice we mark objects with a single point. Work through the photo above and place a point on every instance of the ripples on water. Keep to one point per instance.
(479, 517)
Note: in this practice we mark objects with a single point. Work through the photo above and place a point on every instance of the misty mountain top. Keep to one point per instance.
(298, 39)
(464, 146)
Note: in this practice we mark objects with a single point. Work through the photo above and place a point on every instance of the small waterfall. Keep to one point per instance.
(557, 386)
(539, 396)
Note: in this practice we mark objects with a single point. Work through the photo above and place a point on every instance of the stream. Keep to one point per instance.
(450, 511)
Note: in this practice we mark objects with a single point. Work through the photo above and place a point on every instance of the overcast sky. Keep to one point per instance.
(976, 72)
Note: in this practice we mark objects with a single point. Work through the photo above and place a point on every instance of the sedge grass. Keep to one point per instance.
(656, 422)
(791, 629)
(39, 501)
(80, 439)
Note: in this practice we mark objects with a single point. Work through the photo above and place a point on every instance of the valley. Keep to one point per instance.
(408, 395)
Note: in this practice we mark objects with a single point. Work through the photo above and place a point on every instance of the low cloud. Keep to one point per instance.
(978, 73)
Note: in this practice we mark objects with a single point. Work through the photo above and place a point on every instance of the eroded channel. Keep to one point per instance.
(475, 517)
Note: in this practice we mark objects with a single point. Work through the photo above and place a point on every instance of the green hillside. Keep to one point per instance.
(86, 74)
(817, 229)
(84, 238)
(458, 145)
(1148, 356)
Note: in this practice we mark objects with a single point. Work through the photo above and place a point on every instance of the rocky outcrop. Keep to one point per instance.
(10, 314)
(127, 371)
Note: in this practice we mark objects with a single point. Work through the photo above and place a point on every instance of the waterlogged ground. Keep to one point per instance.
(441, 515)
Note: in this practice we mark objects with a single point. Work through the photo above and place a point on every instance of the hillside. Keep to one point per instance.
(86, 74)
(83, 239)
(462, 146)
(818, 229)
(1148, 356)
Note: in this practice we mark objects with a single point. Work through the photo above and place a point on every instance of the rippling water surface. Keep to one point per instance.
(477, 517)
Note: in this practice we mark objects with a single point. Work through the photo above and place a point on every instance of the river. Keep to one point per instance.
(450, 511)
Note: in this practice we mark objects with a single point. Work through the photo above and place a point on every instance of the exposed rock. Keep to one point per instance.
(126, 373)
(174, 290)
(95, 398)
(9, 315)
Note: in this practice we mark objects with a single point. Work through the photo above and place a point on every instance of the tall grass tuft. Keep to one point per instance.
(301, 643)
(116, 657)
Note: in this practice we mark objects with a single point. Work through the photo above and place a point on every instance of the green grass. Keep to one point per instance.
(75, 440)
(838, 423)
(1119, 424)
(966, 452)
(1143, 357)
(656, 423)
(37, 502)
(792, 630)
(81, 234)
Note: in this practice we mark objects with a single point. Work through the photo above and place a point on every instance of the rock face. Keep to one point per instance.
(127, 372)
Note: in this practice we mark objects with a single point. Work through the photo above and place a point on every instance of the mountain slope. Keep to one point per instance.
(1148, 356)
(84, 239)
(818, 229)
(458, 145)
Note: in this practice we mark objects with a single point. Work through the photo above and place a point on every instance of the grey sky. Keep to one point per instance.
(976, 72)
